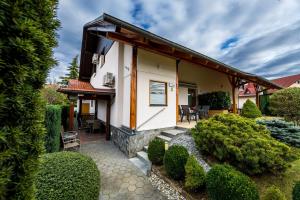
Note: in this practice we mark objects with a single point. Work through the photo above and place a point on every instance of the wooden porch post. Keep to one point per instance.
(96, 108)
(177, 92)
(257, 96)
(233, 82)
(71, 116)
(107, 135)
(133, 89)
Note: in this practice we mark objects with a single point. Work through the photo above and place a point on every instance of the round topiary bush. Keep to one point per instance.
(250, 110)
(174, 161)
(67, 175)
(225, 183)
(194, 174)
(296, 191)
(273, 193)
(156, 151)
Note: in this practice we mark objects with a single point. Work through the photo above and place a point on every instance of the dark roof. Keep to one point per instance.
(107, 24)
(81, 87)
(287, 81)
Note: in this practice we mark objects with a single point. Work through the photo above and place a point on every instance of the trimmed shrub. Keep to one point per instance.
(225, 183)
(67, 175)
(27, 30)
(273, 193)
(286, 103)
(174, 161)
(250, 110)
(296, 191)
(65, 109)
(156, 151)
(216, 100)
(194, 174)
(53, 127)
(283, 131)
(243, 143)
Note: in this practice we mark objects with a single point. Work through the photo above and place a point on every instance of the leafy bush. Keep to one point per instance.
(296, 191)
(194, 174)
(53, 127)
(273, 193)
(225, 183)
(51, 96)
(156, 151)
(242, 143)
(286, 103)
(283, 131)
(174, 161)
(27, 30)
(67, 175)
(216, 100)
(250, 110)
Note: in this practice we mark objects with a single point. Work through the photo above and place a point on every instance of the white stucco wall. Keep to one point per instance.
(242, 100)
(126, 84)
(183, 96)
(155, 67)
(296, 84)
(207, 80)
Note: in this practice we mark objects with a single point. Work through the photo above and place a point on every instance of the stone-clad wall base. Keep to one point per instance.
(130, 141)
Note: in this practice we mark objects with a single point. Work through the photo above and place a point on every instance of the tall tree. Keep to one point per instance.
(27, 38)
(72, 71)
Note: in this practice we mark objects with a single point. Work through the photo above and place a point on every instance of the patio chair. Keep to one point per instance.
(203, 112)
(184, 110)
(95, 126)
(70, 139)
(193, 113)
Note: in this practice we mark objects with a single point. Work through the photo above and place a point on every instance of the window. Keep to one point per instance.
(92, 103)
(158, 93)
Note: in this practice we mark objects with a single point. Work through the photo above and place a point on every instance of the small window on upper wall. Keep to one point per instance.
(158, 93)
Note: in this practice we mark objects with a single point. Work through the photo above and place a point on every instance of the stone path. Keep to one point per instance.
(120, 179)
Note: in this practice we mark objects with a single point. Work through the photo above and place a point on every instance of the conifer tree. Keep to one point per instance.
(72, 71)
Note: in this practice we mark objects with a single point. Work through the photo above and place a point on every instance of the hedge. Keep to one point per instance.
(296, 191)
(194, 174)
(273, 193)
(65, 109)
(283, 131)
(216, 100)
(67, 175)
(174, 161)
(243, 143)
(28, 36)
(156, 151)
(250, 110)
(225, 183)
(53, 127)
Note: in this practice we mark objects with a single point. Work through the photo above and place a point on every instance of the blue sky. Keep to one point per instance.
(261, 37)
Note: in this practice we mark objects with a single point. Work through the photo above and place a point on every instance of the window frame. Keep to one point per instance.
(166, 94)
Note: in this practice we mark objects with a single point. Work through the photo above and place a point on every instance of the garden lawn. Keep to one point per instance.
(285, 181)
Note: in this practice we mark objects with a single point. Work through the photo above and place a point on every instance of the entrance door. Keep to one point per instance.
(192, 97)
(85, 108)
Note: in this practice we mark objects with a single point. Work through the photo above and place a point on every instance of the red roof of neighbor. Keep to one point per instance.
(82, 87)
(249, 90)
(287, 81)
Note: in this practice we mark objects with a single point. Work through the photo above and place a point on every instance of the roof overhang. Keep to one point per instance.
(115, 29)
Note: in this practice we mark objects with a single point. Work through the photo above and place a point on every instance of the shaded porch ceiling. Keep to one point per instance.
(109, 27)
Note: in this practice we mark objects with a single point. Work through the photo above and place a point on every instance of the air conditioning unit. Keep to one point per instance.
(109, 80)
(95, 58)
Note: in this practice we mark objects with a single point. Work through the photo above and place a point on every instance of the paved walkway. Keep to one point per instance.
(120, 179)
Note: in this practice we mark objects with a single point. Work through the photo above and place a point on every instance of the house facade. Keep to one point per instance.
(139, 79)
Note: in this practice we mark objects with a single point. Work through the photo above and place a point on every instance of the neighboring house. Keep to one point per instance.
(249, 92)
(138, 79)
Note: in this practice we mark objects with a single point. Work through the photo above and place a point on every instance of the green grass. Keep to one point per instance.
(284, 181)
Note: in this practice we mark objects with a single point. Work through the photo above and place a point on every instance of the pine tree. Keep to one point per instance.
(27, 38)
(72, 72)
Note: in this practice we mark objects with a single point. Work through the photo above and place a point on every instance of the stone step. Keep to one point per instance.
(145, 148)
(164, 138)
(142, 155)
(144, 167)
(172, 132)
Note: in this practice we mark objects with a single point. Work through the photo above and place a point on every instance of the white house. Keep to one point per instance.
(138, 79)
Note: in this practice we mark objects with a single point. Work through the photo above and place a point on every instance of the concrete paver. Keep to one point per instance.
(120, 179)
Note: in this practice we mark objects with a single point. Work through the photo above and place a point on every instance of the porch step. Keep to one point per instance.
(142, 155)
(172, 132)
(145, 148)
(164, 138)
(144, 167)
